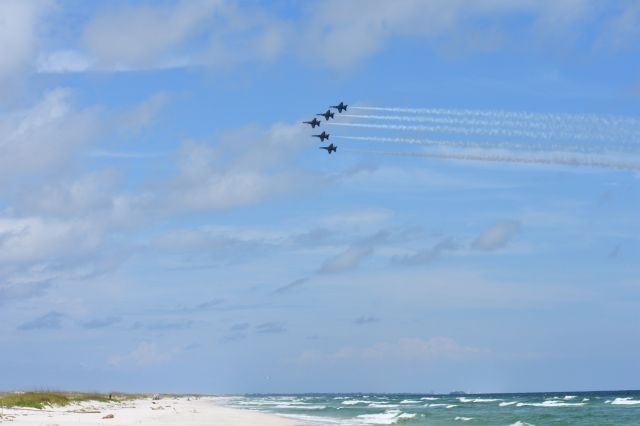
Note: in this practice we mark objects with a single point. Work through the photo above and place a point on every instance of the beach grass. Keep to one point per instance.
(41, 399)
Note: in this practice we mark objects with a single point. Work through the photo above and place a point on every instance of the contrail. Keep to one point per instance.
(461, 130)
(545, 117)
(502, 158)
(477, 144)
(452, 120)
(566, 130)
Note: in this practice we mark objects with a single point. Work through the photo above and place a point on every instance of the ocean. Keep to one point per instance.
(514, 409)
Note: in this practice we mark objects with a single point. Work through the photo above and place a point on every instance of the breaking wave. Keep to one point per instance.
(625, 401)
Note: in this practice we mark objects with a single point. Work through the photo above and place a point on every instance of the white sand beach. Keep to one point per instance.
(184, 411)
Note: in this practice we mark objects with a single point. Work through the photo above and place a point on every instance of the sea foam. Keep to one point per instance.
(389, 417)
(625, 401)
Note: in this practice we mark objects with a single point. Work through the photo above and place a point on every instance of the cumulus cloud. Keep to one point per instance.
(209, 33)
(346, 33)
(19, 25)
(138, 36)
(496, 236)
(44, 138)
(27, 240)
(219, 34)
(243, 168)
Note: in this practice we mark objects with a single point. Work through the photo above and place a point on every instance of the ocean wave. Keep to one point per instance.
(506, 404)
(258, 403)
(435, 405)
(550, 404)
(451, 405)
(302, 407)
(354, 402)
(520, 423)
(463, 419)
(625, 401)
(429, 398)
(382, 405)
(569, 397)
(389, 417)
(311, 420)
(409, 401)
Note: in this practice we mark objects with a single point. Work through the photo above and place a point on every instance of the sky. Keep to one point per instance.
(168, 224)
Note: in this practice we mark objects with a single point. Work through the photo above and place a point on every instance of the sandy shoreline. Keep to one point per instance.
(185, 411)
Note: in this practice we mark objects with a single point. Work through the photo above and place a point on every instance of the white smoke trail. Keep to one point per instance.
(506, 158)
(478, 144)
(452, 129)
(606, 120)
(559, 130)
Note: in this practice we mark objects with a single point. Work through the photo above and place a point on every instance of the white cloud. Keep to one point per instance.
(19, 24)
(63, 61)
(247, 166)
(45, 137)
(142, 36)
(335, 33)
(33, 239)
(344, 34)
(496, 236)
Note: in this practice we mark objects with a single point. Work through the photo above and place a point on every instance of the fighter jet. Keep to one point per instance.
(331, 148)
(324, 135)
(340, 107)
(327, 115)
(315, 122)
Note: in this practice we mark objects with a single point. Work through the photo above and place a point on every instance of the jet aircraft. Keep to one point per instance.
(340, 107)
(315, 122)
(331, 148)
(327, 115)
(324, 135)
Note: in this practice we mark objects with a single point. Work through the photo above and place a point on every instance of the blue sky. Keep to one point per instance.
(168, 224)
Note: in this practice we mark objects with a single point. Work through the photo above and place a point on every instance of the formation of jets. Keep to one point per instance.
(327, 115)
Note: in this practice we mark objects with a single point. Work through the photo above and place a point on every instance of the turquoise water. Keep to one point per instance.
(579, 408)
